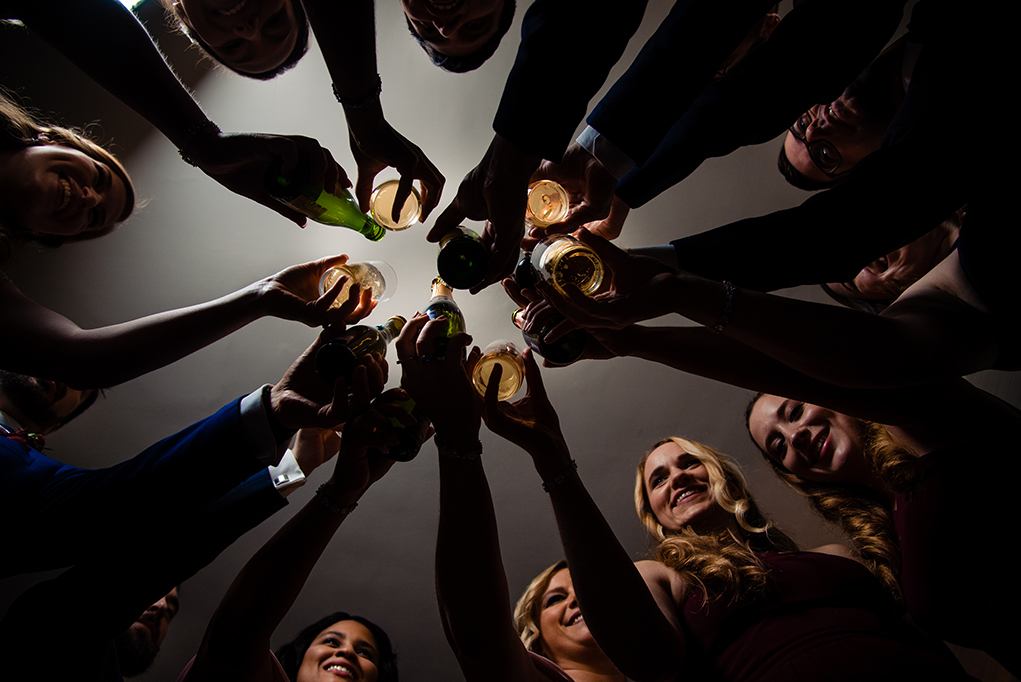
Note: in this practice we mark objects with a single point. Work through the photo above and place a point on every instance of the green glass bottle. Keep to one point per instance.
(442, 305)
(297, 191)
(560, 353)
(409, 438)
(463, 260)
(339, 357)
(524, 273)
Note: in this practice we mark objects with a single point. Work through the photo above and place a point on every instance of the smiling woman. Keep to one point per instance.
(55, 182)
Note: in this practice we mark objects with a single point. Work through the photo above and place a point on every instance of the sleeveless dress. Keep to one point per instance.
(828, 618)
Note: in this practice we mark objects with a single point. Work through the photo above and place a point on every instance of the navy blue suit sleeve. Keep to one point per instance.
(929, 165)
(771, 87)
(107, 593)
(567, 49)
(43, 499)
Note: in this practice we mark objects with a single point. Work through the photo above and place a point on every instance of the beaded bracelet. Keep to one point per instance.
(330, 506)
(193, 131)
(352, 103)
(467, 454)
(560, 478)
(723, 320)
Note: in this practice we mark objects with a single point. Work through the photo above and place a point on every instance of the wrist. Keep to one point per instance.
(194, 139)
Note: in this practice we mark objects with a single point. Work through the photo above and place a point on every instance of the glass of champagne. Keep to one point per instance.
(381, 206)
(548, 203)
(507, 355)
(560, 259)
(373, 274)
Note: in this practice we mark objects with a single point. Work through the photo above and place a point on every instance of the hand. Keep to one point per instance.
(441, 389)
(377, 146)
(240, 162)
(314, 447)
(641, 288)
(520, 296)
(363, 459)
(301, 399)
(531, 423)
(609, 227)
(293, 294)
(496, 191)
(590, 186)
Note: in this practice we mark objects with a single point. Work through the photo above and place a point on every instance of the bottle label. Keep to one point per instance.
(305, 205)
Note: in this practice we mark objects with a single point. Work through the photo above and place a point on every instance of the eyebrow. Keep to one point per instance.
(652, 474)
(357, 640)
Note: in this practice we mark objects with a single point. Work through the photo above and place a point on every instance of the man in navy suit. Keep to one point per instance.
(56, 514)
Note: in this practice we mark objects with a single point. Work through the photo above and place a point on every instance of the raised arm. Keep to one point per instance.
(637, 629)
(238, 637)
(471, 585)
(46, 344)
(105, 40)
(346, 33)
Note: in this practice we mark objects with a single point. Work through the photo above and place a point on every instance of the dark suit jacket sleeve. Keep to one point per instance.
(567, 49)
(102, 597)
(929, 165)
(43, 499)
(795, 69)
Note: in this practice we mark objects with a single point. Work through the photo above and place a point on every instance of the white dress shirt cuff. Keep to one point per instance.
(255, 425)
(287, 476)
(616, 162)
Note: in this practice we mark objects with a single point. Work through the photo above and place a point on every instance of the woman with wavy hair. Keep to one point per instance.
(726, 598)
(890, 487)
(57, 185)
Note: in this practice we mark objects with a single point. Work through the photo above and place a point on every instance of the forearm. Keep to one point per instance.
(49, 345)
(103, 39)
(617, 605)
(272, 580)
(346, 34)
(471, 585)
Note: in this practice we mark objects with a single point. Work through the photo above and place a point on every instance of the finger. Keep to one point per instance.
(516, 294)
(335, 175)
(533, 377)
(491, 400)
(375, 373)
(606, 251)
(363, 188)
(405, 343)
(457, 345)
(359, 394)
(299, 219)
(328, 298)
(403, 192)
(432, 188)
(347, 308)
(451, 217)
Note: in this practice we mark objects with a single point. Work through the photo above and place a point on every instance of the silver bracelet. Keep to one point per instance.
(561, 478)
(329, 505)
(730, 291)
(468, 454)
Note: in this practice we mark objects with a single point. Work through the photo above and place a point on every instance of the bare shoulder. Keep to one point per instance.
(835, 549)
(663, 580)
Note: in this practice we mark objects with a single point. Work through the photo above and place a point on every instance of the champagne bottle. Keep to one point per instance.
(409, 439)
(339, 357)
(560, 259)
(297, 191)
(559, 353)
(463, 260)
(442, 305)
(506, 355)
(524, 273)
(548, 203)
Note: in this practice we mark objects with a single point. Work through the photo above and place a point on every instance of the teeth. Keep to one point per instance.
(341, 667)
(686, 493)
(576, 619)
(233, 10)
(67, 194)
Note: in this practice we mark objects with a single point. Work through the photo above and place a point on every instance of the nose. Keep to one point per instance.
(248, 29)
(447, 27)
(90, 198)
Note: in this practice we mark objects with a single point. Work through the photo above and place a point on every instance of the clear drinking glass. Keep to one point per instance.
(548, 203)
(374, 274)
(507, 355)
(382, 202)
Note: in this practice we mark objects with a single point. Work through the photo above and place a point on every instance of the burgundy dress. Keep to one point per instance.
(828, 618)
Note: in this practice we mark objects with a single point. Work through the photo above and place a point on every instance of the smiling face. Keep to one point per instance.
(249, 36)
(345, 650)
(565, 636)
(811, 442)
(679, 491)
(55, 190)
(455, 28)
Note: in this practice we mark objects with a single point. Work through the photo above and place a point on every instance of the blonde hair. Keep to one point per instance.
(861, 512)
(20, 129)
(723, 563)
(529, 606)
